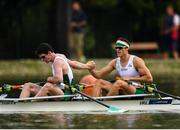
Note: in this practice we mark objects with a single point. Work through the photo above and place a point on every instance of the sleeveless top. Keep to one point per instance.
(128, 70)
(67, 78)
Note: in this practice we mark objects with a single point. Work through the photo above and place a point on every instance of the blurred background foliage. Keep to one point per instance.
(26, 23)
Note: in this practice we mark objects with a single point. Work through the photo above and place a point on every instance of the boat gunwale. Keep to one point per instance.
(75, 97)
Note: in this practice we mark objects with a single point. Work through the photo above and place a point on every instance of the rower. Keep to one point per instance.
(61, 73)
(128, 67)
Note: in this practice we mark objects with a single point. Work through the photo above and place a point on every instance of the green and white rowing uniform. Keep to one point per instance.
(128, 71)
(67, 78)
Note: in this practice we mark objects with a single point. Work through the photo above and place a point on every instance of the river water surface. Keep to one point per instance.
(60, 120)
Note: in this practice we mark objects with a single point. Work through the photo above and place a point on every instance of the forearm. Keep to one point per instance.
(95, 74)
(78, 65)
(145, 78)
(53, 80)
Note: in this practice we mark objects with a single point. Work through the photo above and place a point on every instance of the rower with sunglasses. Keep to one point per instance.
(61, 69)
(129, 68)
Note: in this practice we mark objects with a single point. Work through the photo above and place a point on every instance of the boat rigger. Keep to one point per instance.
(80, 101)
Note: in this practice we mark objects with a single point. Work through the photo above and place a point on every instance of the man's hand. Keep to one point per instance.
(50, 79)
(137, 85)
(91, 65)
(53, 80)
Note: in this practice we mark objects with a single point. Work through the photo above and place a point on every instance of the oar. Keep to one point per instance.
(110, 108)
(7, 87)
(151, 90)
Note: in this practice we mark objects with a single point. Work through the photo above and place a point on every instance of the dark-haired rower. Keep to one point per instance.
(61, 69)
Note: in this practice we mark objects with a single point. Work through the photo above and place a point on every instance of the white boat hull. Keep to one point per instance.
(81, 106)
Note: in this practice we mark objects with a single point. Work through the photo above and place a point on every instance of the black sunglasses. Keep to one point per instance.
(119, 48)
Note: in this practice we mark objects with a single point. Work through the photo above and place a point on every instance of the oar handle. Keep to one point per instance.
(135, 84)
(7, 87)
(16, 87)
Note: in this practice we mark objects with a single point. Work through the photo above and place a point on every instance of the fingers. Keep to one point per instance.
(91, 65)
(140, 86)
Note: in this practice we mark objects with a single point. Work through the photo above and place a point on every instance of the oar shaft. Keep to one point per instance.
(97, 101)
(75, 90)
(166, 94)
(9, 87)
(110, 108)
(151, 89)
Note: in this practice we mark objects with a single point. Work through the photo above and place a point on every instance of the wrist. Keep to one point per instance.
(92, 70)
(49, 79)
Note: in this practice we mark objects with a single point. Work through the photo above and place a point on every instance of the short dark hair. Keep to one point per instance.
(123, 39)
(44, 48)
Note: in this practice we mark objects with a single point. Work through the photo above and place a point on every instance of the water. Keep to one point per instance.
(59, 120)
(90, 121)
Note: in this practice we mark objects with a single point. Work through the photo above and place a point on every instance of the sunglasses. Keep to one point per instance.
(119, 48)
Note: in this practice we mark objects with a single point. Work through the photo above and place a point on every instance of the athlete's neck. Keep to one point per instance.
(125, 58)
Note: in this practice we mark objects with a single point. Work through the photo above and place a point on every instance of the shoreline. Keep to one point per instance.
(20, 71)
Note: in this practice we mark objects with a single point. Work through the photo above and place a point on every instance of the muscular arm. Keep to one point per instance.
(145, 75)
(59, 65)
(104, 71)
(77, 65)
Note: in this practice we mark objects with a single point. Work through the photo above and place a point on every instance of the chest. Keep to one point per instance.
(126, 69)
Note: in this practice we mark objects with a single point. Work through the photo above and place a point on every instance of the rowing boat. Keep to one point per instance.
(81, 104)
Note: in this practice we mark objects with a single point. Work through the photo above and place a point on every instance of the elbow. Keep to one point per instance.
(96, 76)
(150, 79)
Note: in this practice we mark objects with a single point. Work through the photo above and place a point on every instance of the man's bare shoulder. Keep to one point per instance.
(138, 61)
(59, 61)
(113, 61)
(61, 55)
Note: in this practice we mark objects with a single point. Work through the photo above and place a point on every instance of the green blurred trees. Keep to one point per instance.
(136, 20)
(26, 23)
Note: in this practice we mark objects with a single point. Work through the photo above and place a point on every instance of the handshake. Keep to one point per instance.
(91, 65)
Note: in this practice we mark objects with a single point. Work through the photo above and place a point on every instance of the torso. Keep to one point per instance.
(67, 74)
(78, 17)
(168, 22)
(128, 69)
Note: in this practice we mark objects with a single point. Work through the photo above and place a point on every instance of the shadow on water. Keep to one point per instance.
(89, 121)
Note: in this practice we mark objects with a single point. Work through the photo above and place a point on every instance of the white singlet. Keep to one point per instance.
(128, 70)
(63, 57)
